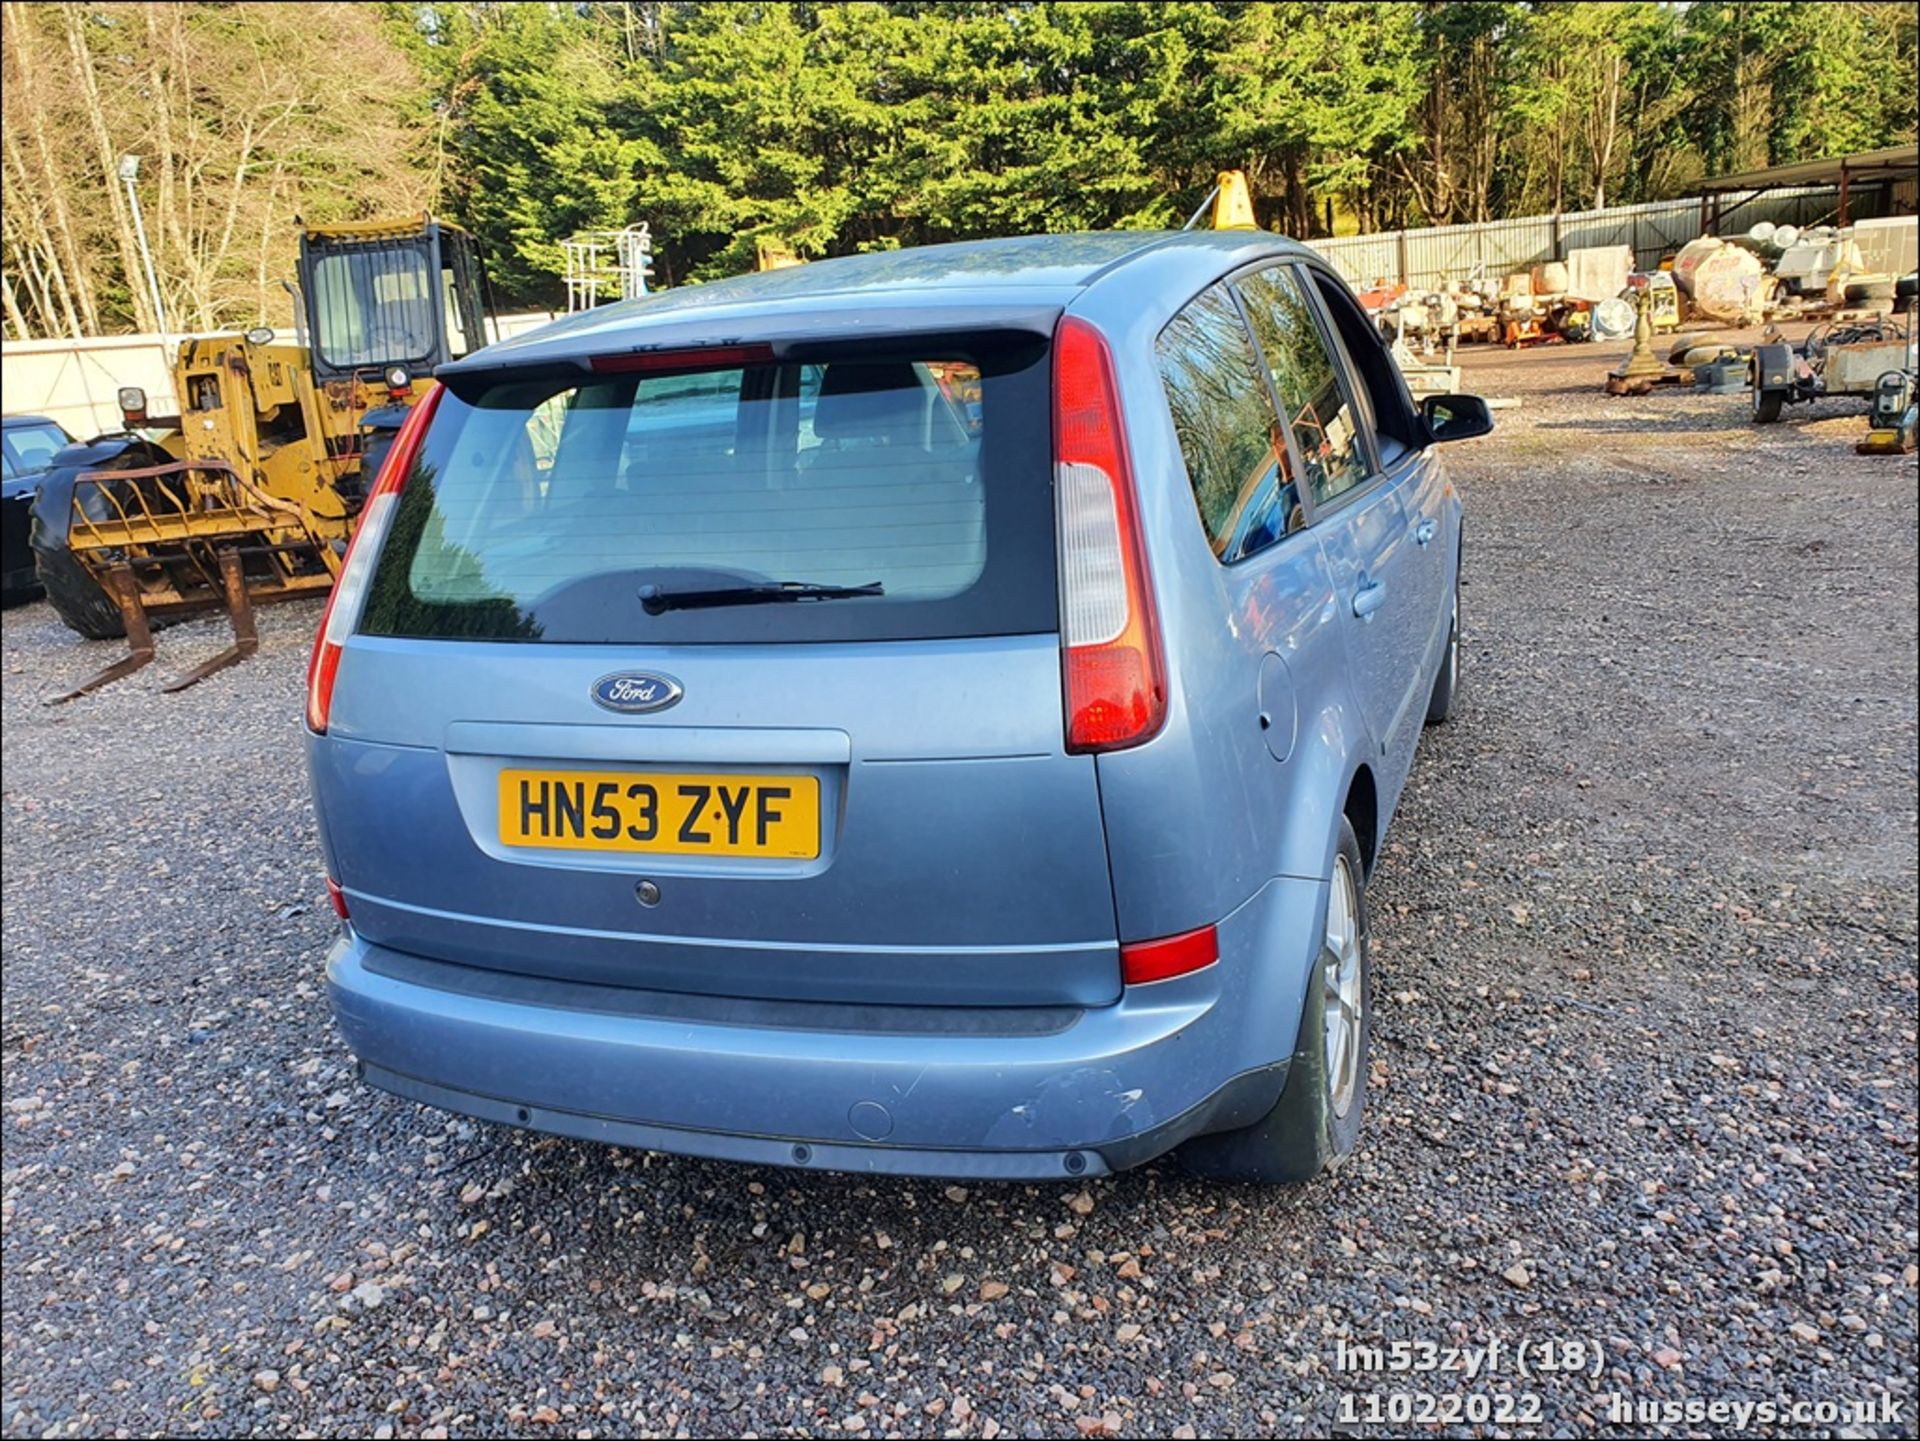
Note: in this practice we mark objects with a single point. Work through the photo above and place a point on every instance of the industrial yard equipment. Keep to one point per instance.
(1666, 296)
(606, 265)
(772, 253)
(1429, 316)
(1641, 370)
(1834, 360)
(1613, 319)
(1893, 425)
(1723, 281)
(249, 494)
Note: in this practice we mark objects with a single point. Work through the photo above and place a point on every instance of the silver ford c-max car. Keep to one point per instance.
(932, 712)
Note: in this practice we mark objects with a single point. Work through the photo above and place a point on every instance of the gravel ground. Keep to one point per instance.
(1645, 1055)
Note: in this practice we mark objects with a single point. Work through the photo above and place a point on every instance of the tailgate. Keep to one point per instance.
(729, 674)
(959, 852)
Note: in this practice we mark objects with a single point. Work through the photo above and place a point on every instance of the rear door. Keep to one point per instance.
(577, 736)
(1356, 511)
(1415, 478)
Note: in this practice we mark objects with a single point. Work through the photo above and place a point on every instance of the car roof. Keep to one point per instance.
(1014, 283)
(13, 420)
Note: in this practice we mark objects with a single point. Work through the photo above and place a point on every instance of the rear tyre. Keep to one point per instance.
(1315, 1124)
(1440, 703)
(76, 597)
(1766, 406)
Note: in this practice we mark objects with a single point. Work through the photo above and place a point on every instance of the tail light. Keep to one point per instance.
(1113, 676)
(356, 569)
(339, 899)
(1170, 956)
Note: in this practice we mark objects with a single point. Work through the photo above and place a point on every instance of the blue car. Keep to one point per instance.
(932, 712)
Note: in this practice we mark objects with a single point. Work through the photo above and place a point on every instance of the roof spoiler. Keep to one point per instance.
(569, 348)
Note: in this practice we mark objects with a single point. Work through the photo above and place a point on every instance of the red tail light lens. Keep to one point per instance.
(1170, 956)
(338, 897)
(1113, 677)
(356, 569)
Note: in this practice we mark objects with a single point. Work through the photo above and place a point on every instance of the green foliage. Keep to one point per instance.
(861, 126)
(527, 96)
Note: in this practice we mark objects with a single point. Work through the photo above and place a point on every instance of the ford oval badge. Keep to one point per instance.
(633, 692)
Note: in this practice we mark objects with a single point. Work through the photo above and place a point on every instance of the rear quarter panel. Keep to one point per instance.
(1202, 817)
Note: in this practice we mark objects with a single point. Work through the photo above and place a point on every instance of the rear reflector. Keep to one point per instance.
(338, 897)
(1170, 956)
(349, 591)
(1113, 678)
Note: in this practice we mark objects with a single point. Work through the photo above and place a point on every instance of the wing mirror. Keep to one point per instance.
(1456, 417)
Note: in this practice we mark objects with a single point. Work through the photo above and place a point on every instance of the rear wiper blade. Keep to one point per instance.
(654, 599)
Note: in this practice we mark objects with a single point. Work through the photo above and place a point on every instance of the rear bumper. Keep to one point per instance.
(1241, 1100)
(1013, 1094)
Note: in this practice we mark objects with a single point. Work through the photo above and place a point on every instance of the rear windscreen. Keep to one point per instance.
(669, 506)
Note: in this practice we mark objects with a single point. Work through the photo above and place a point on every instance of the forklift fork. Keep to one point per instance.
(246, 639)
(126, 594)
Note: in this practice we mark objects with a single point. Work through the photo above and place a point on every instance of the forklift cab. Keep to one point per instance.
(381, 297)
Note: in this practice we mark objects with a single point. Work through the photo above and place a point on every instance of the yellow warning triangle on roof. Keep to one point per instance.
(1233, 203)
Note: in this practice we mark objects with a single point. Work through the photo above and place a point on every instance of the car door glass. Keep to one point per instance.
(1307, 380)
(32, 447)
(1235, 450)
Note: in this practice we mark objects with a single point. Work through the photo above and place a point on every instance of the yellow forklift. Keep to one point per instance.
(249, 494)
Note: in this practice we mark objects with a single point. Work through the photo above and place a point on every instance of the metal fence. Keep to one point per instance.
(1500, 247)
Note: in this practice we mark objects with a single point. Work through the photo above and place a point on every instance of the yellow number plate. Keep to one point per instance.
(662, 814)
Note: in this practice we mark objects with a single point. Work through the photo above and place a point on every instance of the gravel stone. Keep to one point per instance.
(1645, 969)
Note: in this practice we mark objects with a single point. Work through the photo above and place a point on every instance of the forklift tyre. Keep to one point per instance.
(76, 597)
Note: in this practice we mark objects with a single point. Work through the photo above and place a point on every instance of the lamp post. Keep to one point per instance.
(129, 173)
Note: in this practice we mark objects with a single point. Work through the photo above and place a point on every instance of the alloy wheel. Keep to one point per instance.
(1453, 644)
(1344, 999)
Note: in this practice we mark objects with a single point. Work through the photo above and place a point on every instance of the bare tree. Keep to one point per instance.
(243, 115)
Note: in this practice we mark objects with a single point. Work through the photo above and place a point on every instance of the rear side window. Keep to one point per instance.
(1307, 381)
(1235, 451)
(624, 508)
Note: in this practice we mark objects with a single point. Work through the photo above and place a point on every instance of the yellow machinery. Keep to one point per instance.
(771, 253)
(1228, 206)
(250, 493)
(1233, 202)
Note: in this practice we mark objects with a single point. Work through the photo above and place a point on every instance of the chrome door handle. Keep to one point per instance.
(1369, 598)
(1423, 532)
